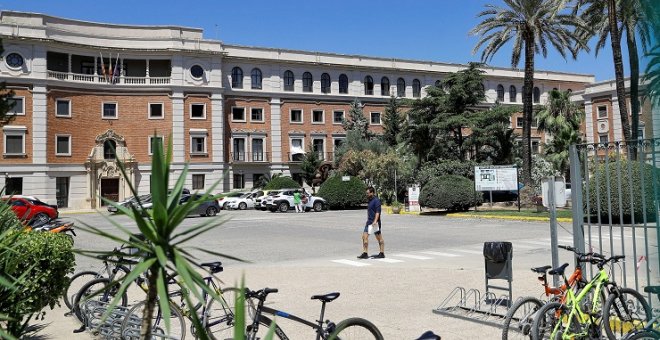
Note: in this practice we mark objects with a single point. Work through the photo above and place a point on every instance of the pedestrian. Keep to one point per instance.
(296, 201)
(373, 224)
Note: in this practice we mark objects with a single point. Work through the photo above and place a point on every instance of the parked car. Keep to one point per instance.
(228, 197)
(283, 201)
(209, 207)
(246, 201)
(29, 208)
(260, 202)
(131, 201)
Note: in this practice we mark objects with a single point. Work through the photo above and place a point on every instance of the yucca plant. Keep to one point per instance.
(162, 249)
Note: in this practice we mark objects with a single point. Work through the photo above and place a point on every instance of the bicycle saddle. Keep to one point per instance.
(559, 270)
(214, 267)
(327, 297)
(541, 270)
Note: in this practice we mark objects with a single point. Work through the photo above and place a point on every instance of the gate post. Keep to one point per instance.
(576, 199)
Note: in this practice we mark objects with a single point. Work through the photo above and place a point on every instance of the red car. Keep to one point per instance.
(29, 208)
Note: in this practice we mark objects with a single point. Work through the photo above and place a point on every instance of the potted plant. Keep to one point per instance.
(396, 207)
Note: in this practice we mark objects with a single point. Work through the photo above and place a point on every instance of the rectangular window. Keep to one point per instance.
(239, 149)
(63, 145)
(375, 118)
(603, 139)
(602, 112)
(62, 191)
(318, 145)
(19, 106)
(198, 111)
(109, 111)
(257, 150)
(296, 116)
(198, 142)
(198, 182)
(535, 123)
(14, 185)
(317, 116)
(14, 144)
(640, 133)
(238, 114)
(154, 141)
(338, 117)
(156, 110)
(519, 122)
(536, 146)
(297, 151)
(239, 181)
(338, 142)
(63, 108)
(257, 114)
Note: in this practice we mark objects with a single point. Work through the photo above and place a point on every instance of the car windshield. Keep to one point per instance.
(273, 193)
(246, 195)
(35, 201)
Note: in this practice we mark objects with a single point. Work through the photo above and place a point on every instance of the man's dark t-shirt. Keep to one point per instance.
(374, 207)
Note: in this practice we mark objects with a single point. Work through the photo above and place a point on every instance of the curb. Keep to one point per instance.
(511, 218)
(388, 210)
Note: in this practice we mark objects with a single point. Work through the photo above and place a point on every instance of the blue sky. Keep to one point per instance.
(423, 30)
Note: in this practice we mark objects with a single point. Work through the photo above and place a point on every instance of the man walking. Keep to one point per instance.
(373, 224)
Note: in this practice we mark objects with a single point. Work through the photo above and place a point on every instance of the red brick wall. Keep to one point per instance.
(247, 103)
(21, 120)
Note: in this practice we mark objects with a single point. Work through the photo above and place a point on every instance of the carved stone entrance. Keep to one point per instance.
(104, 178)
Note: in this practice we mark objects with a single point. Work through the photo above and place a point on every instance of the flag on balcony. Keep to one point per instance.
(102, 66)
(115, 73)
(108, 75)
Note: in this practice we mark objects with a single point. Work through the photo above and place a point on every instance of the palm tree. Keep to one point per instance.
(629, 18)
(531, 25)
(561, 118)
(653, 66)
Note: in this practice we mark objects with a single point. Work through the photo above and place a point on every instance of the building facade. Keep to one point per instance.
(90, 94)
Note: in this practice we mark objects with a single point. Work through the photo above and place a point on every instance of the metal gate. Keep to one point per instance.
(615, 206)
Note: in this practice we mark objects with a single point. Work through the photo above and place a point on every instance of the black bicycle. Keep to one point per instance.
(352, 328)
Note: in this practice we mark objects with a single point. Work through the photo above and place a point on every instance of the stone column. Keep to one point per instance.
(178, 134)
(217, 128)
(589, 121)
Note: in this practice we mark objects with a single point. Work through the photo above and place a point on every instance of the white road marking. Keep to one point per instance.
(352, 263)
(537, 242)
(518, 245)
(386, 260)
(416, 257)
(440, 254)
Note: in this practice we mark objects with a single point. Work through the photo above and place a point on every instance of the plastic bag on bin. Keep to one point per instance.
(497, 251)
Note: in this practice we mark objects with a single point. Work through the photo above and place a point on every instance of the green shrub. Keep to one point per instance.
(281, 182)
(433, 170)
(43, 260)
(622, 203)
(8, 219)
(453, 193)
(340, 194)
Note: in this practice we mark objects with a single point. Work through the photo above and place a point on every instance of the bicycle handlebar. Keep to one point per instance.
(260, 294)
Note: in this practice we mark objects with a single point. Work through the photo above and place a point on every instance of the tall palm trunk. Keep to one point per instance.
(618, 68)
(150, 303)
(528, 86)
(634, 86)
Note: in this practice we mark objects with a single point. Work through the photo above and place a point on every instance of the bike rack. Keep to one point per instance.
(110, 328)
(486, 308)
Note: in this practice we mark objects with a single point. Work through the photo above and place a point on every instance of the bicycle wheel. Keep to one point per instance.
(545, 321)
(95, 293)
(75, 283)
(264, 327)
(645, 334)
(356, 328)
(625, 312)
(132, 324)
(519, 319)
(220, 316)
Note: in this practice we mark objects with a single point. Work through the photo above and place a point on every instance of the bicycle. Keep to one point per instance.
(521, 324)
(581, 316)
(217, 316)
(351, 328)
(652, 328)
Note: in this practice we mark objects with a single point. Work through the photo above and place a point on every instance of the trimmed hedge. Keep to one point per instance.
(640, 196)
(453, 193)
(341, 195)
(282, 182)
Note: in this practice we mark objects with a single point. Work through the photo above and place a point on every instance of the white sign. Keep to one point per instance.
(413, 198)
(560, 191)
(345, 178)
(495, 178)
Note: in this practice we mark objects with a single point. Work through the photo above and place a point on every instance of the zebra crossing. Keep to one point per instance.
(453, 253)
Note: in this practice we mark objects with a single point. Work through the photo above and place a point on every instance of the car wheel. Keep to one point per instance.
(211, 211)
(318, 206)
(242, 206)
(284, 207)
(41, 218)
(225, 206)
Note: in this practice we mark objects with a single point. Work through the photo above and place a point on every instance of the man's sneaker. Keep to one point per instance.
(363, 256)
(379, 256)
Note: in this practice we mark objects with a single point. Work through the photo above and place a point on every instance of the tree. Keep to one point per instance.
(532, 25)
(6, 103)
(310, 165)
(561, 118)
(356, 120)
(492, 138)
(392, 122)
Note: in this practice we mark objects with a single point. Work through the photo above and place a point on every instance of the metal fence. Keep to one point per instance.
(615, 199)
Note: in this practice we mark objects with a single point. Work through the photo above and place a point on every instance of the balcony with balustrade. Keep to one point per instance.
(325, 157)
(90, 69)
(249, 157)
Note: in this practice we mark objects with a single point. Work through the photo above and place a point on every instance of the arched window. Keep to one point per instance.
(256, 79)
(417, 88)
(236, 78)
(308, 82)
(343, 83)
(384, 86)
(325, 83)
(401, 87)
(537, 95)
(512, 93)
(109, 149)
(500, 93)
(438, 83)
(288, 81)
(368, 86)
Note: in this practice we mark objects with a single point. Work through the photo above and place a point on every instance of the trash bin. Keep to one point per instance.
(498, 266)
